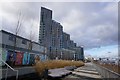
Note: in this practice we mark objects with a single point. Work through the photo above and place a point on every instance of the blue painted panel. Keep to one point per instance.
(11, 57)
(28, 62)
(25, 58)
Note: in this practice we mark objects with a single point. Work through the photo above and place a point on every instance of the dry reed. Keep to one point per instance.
(52, 64)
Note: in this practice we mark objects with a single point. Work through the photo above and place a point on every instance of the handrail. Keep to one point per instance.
(10, 68)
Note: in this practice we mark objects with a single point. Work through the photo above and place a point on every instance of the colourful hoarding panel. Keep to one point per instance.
(11, 57)
(4, 54)
(32, 59)
(37, 57)
(19, 58)
(26, 57)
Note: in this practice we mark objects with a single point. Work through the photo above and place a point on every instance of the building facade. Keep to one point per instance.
(66, 40)
(45, 27)
(79, 53)
(23, 52)
(51, 35)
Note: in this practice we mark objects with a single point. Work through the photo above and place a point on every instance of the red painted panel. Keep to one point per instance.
(19, 58)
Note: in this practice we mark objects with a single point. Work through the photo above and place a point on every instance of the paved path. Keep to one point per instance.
(84, 73)
(87, 72)
(58, 72)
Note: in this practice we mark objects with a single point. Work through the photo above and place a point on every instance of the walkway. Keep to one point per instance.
(84, 73)
(56, 73)
(87, 72)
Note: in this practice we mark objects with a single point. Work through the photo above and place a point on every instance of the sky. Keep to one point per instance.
(92, 25)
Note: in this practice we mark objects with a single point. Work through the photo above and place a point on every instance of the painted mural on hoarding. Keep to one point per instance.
(19, 58)
(37, 57)
(32, 59)
(4, 55)
(40, 57)
(11, 57)
(26, 58)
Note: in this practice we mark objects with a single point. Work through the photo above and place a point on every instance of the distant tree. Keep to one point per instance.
(31, 37)
(17, 29)
(30, 43)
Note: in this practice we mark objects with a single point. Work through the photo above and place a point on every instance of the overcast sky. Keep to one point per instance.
(90, 24)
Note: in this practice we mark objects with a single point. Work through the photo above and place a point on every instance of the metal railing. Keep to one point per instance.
(8, 66)
(106, 73)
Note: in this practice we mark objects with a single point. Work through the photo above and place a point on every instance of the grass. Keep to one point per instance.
(52, 64)
(113, 67)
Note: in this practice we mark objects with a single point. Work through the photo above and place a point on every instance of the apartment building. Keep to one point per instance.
(51, 35)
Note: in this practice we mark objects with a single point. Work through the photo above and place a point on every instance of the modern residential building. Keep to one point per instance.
(45, 31)
(66, 40)
(57, 31)
(79, 53)
(58, 43)
(74, 44)
(45, 27)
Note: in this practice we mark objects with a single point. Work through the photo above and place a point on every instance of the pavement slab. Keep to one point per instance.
(87, 71)
(59, 72)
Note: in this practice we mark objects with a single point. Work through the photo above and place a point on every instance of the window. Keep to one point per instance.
(42, 16)
(24, 41)
(11, 38)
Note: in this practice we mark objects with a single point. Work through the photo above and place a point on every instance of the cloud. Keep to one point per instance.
(74, 22)
(97, 25)
(90, 24)
(103, 52)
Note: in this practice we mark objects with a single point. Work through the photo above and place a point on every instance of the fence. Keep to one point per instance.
(106, 73)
